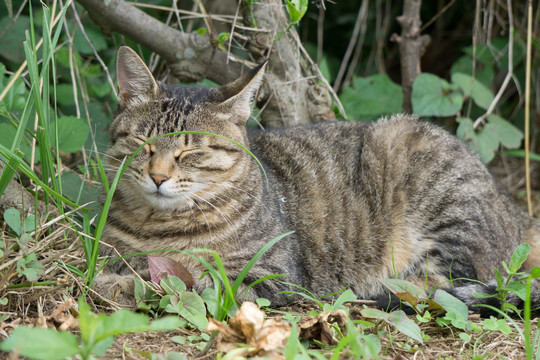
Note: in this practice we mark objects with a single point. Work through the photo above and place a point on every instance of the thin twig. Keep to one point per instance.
(528, 106)
(350, 47)
(433, 19)
(508, 77)
(103, 66)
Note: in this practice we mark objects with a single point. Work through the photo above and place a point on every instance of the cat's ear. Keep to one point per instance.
(238, 95)
(135, 81)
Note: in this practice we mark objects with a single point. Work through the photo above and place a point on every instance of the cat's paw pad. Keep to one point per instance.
(117, 288)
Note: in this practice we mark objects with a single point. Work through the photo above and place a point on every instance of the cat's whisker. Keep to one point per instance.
(205, 218)
(227, 220)
(225, 201)
(257, 199)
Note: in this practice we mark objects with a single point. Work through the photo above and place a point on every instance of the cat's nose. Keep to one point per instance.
(159, 178)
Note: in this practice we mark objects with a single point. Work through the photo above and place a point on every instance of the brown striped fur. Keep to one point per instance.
(397, 197)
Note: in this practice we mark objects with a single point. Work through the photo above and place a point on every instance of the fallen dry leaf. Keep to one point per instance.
(248, 326)
(319, 328)
(60, 319)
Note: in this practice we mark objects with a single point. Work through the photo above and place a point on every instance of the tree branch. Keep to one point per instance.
(288, 97)
(411, 47)
(190, 56)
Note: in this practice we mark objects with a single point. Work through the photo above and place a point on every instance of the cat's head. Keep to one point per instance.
(172, 172)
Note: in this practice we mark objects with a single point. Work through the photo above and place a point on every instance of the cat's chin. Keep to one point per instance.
(166, 202)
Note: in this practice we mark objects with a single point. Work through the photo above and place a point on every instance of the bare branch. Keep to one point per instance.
(191, 57)
(411, 47)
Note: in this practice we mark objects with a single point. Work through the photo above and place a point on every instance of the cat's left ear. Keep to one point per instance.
(238, 95)
(135, 81)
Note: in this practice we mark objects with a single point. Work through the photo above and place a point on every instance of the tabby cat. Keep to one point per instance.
(397, 197)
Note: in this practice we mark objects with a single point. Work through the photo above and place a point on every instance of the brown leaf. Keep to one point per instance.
(159, 266)
(249, 327)
(248, 320)
(60, 319)
(319, 328)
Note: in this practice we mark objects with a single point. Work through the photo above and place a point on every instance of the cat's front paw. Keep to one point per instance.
(117, 288)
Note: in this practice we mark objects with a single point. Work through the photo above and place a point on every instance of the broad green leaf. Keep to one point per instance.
(494, 324)
(172, 285)
(480, 295)
(535, 272)
(370, 97)
(39, 343)
(193, 309)
(72, 133)
(30, 223)
(13, 218)
(507, 134)
(484, 143)
(405, 290)
(519, 256)
(30, 267)
(374, 313)
(483, 73)
(517, 288)
(347, 296)
(451, 304)
(405, 325)
(11, 41)
(96, 37)
(8, 133)
(260, 302)
(433, 96)
(471, 87)
(122, 321)
(488, 144)
(482, 54)
(166, 323)
(297, 9)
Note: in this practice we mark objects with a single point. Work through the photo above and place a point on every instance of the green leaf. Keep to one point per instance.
(535, 272)
(507, 134)
(374, 313)
(484, 143)
(405, 290)
(494, 324)
(471, 87)
(11, 41)
(517, 288)
(405, 325)
(519, 256)
(193, 310)
(167, 323)
(464, 65)
(39, 343)
(96, 37)
(30, 223)
(172, 285)
(347, 296)
(451, 304)
(30, 267)
(13, 218)
(72, 133)
(433, 96)
(260, 302)
(297, 9)
(370, 97)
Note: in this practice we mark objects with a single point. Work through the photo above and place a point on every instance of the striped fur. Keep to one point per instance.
(397, 197)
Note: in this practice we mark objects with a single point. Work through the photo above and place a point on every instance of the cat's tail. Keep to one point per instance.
(476, 304)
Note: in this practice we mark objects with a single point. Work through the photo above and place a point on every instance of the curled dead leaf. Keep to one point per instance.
(319, 328)
(60, 319)
(248, 326)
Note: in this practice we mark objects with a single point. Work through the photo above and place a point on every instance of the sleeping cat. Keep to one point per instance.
(394, 198)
